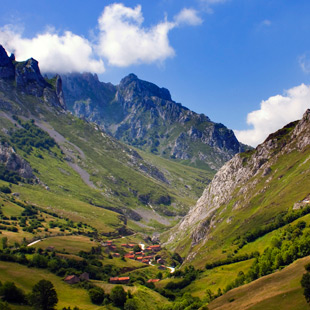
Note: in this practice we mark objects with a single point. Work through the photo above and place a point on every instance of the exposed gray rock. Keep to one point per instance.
(14, 162)
(7, 69)
(142, 114)
(236, 177)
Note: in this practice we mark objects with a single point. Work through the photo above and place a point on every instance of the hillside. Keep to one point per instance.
(250, 192)
(79, 170)
(144, 115)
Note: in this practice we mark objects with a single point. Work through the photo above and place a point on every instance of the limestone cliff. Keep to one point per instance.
(248, 176)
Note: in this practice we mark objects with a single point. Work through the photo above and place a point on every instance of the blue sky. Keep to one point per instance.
(244, 63)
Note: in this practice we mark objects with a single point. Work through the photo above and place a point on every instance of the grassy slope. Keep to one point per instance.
(67, 295)
(118, 181)
(280, 290)
(289, 184)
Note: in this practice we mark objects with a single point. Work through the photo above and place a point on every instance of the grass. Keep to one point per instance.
(288, 183)
(280, 290)
(216, 278)
(71, 244)
(25, 278)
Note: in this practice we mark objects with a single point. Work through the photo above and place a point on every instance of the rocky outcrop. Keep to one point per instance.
(7, 69)
(144, 115)
(14, 162)
(239, 176)
(28, 79)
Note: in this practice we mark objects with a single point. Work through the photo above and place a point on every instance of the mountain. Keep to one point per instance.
(251, 191)
(62, 162)
(143, 115)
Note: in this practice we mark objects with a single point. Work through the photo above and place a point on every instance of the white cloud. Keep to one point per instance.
(207, 4)
(304, 62)
(274, 113)
(55, 53)
(189, 17)
(123, 40)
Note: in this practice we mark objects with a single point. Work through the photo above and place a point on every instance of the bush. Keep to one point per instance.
(96, 295)
(118, 296)
(11, 293)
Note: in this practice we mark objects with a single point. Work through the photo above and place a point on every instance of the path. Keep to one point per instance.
(34, 242)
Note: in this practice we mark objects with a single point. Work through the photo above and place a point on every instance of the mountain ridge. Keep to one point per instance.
(244, 181)
(144, 115)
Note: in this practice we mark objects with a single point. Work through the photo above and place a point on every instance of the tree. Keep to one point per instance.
(137, 248)
(43, 296)
(11, 293)
(305, 283)
(96, 295)
(118, 296)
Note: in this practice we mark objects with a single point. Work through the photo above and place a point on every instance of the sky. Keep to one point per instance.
(243, 63)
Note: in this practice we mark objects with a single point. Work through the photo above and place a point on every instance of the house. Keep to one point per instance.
(139, 258)
(130, 256)
(72, 279)
(119, 280)
(84, 276)
(131, 245)
(153, 280)
(50, 249)
(116, 255)
(155, 248)
(145, 261)
(112, 247)
(124, 245)
(162, 267)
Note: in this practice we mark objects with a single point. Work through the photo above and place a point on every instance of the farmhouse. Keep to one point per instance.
(72, 279)
(153, 280)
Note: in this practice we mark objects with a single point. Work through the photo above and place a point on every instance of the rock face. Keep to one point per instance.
(7, 69)
(142, 114)
(14, 162)
(29, 80)
(237, 179)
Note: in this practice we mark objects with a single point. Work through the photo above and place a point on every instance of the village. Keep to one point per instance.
(147, 255)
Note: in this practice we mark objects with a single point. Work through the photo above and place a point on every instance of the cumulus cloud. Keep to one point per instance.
(124, 41)
(274, 113)
(56, 53)
(189, 17)
(304, 62)
(121, 40)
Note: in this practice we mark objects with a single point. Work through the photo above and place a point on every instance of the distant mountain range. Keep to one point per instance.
(142, 114)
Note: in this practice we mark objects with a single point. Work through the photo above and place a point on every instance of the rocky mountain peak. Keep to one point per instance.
(28, 74)
(7, 69)
(131, 87)
(29, 79)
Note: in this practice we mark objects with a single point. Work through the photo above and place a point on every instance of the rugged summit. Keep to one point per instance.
(142, 114)
(254, 185)
(28, 79)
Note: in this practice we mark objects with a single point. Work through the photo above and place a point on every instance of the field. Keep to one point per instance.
(67, 295)
(280, 290)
